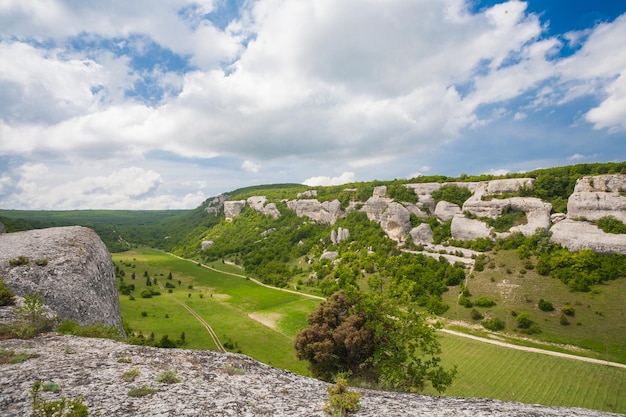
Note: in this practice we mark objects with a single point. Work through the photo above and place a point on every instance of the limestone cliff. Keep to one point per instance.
(211, 384)
(69, 267)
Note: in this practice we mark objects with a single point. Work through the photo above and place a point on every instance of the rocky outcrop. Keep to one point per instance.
(445, 211)
(339, 235)
(396, 221)
(206, 244)
(69, 267)
(258, 204)
(375, 206)
(307, 194)
(206, 386)
(422, 234)
(325, 213)
(233, 209)
(380, 191)
(597, 197)
(216, 204)
(577, 235)
(329, 255)
(463, 228)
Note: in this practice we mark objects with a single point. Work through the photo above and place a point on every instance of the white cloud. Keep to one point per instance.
(344, 178)
(497, 172)
(250, 166)
(576, 157)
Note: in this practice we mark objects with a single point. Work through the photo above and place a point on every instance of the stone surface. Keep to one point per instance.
(233, 209)
(380, 191)
(216, 204)
(325, 213)
(374, 207)
(396, 221)
(69, 267)
(445, 211)
(577, 235)
(258, 204)
(463, 228)
(330, 255)
(422, 234)
(598, 196)
(206, 244)
(339, 235)
(92, 368)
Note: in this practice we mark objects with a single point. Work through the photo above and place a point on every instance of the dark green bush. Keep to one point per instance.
(484, 302)
(568, 310)
(493, 323)
(610, 224)
(545, 305)
(476, 315)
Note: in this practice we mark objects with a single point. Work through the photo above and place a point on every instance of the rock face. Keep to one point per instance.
(577, 235)
(422, 234)
(258, 204)
(69, 267)
(325, 213)
(206, 388)
(598, 196)
(339, 235)
(445, 211)
(396, 221)
(463, 228)
(233, 209)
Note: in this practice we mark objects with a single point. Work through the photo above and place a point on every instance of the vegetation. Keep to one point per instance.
(610, 224)
(342, 401)
(61, 407)
(142, 391)
(168, 377)
(91, 330)
(10, 356)
(130, 375)
(7, 297)
(31, 318)
(375, 340)
(452, 193)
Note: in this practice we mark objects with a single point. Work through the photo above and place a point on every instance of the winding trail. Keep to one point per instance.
(206, 325)
(452, 332)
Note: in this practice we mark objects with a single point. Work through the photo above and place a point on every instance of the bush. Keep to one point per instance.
(484, 302)
(91, 330)
(342, 401)
(545, 305)
(568, 310)
(476, 315)
(31, 318)
(62, 407)
(563, 319)
(7, 297)
(493, 323)
(610, 224)
(19, 261)
(168, 377)
(141, 392)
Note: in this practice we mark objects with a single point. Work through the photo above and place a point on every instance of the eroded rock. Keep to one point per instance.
(577, 235)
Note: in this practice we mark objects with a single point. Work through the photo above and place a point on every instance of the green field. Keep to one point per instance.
(490, 371)
(257, 321)
(261, 322)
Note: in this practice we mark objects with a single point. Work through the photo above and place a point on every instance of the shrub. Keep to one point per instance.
(7, 297)
(484, 302)
(466, 302)
(19, 261)
(342, 401)
(168, 377)
(9, 356)
(493, 323)
(130, 375)
(476, 315)
(90, 330)
(51, 387)
(31, 318)
(231, 370)
(610, 224)
(568, 310)
(545, 305)
(63, 407)
(524, 321)
(142, 391)
(563, 319)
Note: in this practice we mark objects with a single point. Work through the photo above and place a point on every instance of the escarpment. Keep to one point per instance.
(594, 197)
(69, 267)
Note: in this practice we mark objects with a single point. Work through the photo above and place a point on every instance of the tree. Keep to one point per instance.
(376, 340)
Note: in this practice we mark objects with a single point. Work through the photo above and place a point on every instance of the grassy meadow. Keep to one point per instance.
(248, 318)
(262, 322)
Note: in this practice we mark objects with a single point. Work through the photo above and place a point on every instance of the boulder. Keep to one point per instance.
(396, 221)
(206, 244)
(510, 185)
(537, 211)
(380, 191)
(577, 235)
(445, 211)
(422, 234)
(307, 194)
(325, 213)
(258, 204)
(339, 235)
(69, 267)
(329, 255)
(216, 204)
(463, 228)
(233, 209)
(374, 207)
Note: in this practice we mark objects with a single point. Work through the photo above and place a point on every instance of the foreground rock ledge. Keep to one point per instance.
(92, 368)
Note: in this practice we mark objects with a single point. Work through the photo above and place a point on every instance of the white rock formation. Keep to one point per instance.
(396, 221)
(206, 244)
(422, 234)
(325, 213)
(307, 194)
(445, 211)
(339, 235)
(331, 255)
(598, 196)
(380, 191)
(233, 209)
(258, 204)
(577, 235)
(463, 228)
(374, 207)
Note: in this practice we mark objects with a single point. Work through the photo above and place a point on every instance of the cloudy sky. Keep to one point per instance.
(153, 104)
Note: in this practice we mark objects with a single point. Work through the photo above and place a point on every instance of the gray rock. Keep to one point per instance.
(598, 196)
(445, 211)
(268, 232)
(380, 191)
(463, 228)
(325, 213)
(422, 234)
(339, 235)
(330, 255)
(69, 267)
(258, 204)
(396, 221)
(216, 204)
(577, 235)
(206, 244)
(233, 209)
(374, 207)
(206, 389)
(307, 194)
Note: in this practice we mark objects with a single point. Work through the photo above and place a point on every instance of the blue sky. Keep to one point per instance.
(161, 104)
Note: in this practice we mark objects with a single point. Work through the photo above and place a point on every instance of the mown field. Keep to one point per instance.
(251, 319)
(598, 324)
(261, 322)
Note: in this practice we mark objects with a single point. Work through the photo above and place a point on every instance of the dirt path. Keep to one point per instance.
(452, 332)
(206, 325)
(534, 350)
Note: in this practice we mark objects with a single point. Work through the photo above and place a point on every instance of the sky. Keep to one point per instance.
(161, 104)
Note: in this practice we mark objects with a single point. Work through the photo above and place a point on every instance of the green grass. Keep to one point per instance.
(489, 371)
(599, 322)
(261, 322)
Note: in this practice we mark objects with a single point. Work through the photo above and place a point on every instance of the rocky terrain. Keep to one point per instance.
(69, 267)
(593, 197)
(210, 384)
